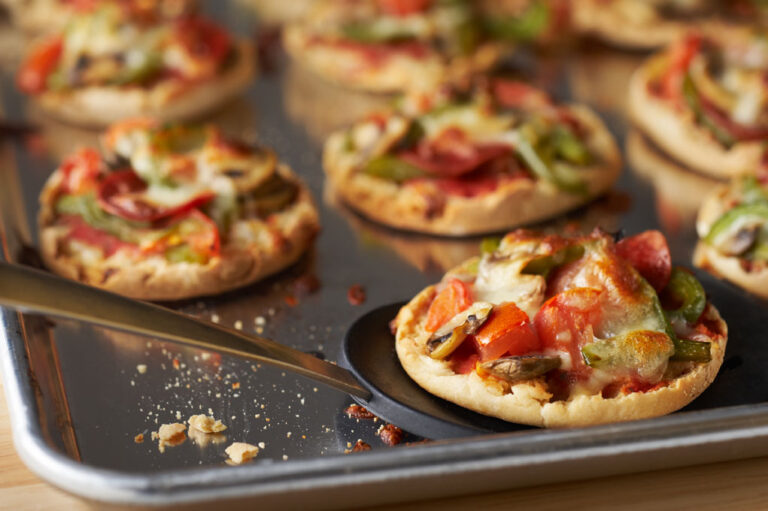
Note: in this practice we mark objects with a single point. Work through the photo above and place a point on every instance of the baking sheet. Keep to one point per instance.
(78, 398)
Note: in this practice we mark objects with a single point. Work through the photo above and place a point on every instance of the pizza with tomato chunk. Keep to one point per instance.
(704, 101)
(397, 45)
(173, 211)
(119, 59)
(558, 331)
(733, 233)
(467, 160)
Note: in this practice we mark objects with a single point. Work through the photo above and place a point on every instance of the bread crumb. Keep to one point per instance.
(238, 325)
(170, 434)
(139, 438)
(141, 368)
(206, 424)
(240, 452)
(215, 318)
(260, 320)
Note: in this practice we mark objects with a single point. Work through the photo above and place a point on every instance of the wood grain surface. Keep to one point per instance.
(721, 486)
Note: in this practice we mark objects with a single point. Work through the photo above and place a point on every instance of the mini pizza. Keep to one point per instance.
(638, 24)
(173, 212)
(395, 45)
(120, 59)
(557, 332)
(733, 232)
(467, 161)
(47, 16)
(704, 101)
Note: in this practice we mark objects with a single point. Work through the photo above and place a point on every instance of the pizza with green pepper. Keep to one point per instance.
(474, 159)
(733, 233)
(559, 331)
(173, 211)
(398, 45)
(704, 100)
(120, 59)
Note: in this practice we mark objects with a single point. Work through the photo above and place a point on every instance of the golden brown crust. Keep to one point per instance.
(529, 402)
(349, 68)
(38, 16)
(513, 203)
(728, 267)
(594, 18)
(154, 278)
(166, 101)
(677, 133)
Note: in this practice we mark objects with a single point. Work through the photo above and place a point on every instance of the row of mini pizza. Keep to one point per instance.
(542, 329)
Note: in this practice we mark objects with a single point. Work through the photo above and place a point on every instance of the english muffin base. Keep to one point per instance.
(399, 72)
(513, 203)
(529, 402)
(154, 278)
(677, 133)
(166, 101)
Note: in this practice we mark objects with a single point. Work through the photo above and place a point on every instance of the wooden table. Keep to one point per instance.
(734, 485)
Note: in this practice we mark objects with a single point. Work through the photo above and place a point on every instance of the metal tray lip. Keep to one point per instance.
(746, 422)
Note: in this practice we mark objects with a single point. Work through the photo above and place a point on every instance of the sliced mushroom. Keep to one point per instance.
(249, 170)
(452, 334)
(742, 241)
(514, 369)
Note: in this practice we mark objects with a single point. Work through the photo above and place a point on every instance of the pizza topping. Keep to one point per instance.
(648, 253)
(741, 230)
(519, 368)
(581, 306)
(466, 141)
(508, 331)
(176, 191)
(721, 82)
(121, 194)
(687, 294)
(640, 353)
(455, 297)
(450, 335)
(119, 44)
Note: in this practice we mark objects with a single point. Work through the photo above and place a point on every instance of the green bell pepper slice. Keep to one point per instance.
(686, 289)
(86, 207)
(693, 99)
(490, 245)
(392, 168)
(545, 264)
(733, 218)
(525, 27)
(562, 176)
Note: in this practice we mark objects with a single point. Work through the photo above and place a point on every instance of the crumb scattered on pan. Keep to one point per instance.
(356, 294)
(238, 325)
(236, 385)
(215, 318)
(141, 368)
(240, 452)
(359, 447)
(206, 424)
(169, 435)
(390, 434)
(139, 438)
(358, 412)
